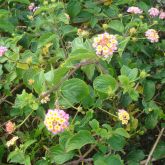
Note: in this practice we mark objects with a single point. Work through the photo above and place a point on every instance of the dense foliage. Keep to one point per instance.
(81, 81)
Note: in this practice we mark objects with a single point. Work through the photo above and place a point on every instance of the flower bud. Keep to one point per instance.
(143, 74)
(132, 31)
(120, 15)
(134, 39)
(45, 2)
(105, 26)
(141, 16)
(155, 22)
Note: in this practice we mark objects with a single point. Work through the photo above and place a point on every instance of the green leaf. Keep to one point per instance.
(46, 38)
(16, 156)
(114, 159)
(25, 99)
(105, 84)
(135, 156)
(59, 155)
(79, 140)
(122, 132)
(74, 90)
(159, 151)
(88, 116)
(94, 124)
(149, 90)
(39, 82)
(125, 83)
(133, 94)
(111, 160)
(122, 45)
(4, 13)
(130, 73)
(74, 8)
(89, 71)
(151, 120)
(6, 25)
(117, 26)
(27, 144)
(117, 142)
(20, 1)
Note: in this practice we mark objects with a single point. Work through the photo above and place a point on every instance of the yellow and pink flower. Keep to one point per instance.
(105, 44)
(152, 35)
(123, 116)
(56, 120)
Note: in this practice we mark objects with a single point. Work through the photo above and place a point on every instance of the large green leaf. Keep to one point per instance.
(74, 90)
(74, 8)
(105, 84)
(122, 132)
(59, 155)
(135, 156)
(79, 140)
(149, 90)
(117, 142)
(117, 26)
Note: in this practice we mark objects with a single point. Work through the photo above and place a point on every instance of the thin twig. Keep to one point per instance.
(76, 162)
(154, 146)
(12, 91)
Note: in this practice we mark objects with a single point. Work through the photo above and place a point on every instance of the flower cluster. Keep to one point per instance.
(10, 127)
(45, 99)
(162, 15)
(123, 116)
(153, 12)
(82, 33)
(105, 44)
(134, 10)
(12, 141)
(56, 120)
(152, 35)
(32, 7)
(3, 49)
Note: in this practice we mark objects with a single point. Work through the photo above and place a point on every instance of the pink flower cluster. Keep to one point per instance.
(162, 15)
(10, 127)
(32, 7)
(152, 35)
(3, 49)
(105, 44)
(153, 12)
(134, 10)
(56, 121)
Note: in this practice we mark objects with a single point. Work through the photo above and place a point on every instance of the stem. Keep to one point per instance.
(154, 146)
(25, 119)
(69, 74)
(108, 113)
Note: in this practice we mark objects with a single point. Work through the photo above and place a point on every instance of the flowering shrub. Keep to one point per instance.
(82, 82)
